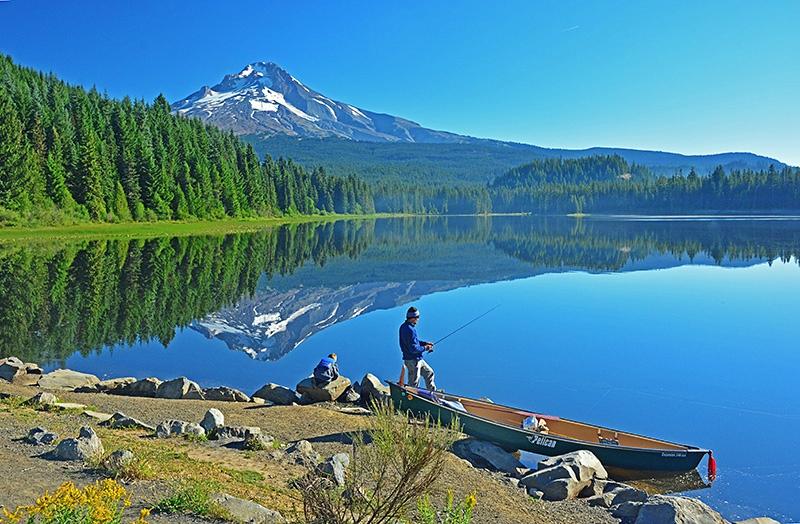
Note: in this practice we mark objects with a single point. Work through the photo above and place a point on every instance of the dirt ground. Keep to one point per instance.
(25, 474)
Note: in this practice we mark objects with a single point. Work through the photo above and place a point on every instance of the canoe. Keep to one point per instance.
(625, 455)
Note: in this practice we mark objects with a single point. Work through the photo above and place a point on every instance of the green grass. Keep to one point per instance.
(165, 228)
(245, 476)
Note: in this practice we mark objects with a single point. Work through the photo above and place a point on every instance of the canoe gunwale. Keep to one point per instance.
(613, 447)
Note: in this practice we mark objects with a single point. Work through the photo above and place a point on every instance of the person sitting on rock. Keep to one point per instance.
(326, 371)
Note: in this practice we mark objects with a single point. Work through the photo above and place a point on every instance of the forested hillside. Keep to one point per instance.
(69, 155)
(608, 184)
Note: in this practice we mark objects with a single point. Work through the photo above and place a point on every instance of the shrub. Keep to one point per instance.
(99, 503)
(452, 513)
(192, 497)
(392, 464)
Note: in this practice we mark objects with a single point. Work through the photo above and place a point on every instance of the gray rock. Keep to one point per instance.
(535, 493)
(486, 454)
(180, 388)
(247, 511)
(350, 396)
(328, 393)
(627, 511)
(258, 442)
(225, 394)
(118, 460)
(122, 421)
(18, 372)
(758, 520)
(303, 453)
(43, 398)
(170, 428)
(145, 387)
(585, 464)
(235, 432)
(336, 467)
(86, 447)
(108, 386)
(277, 394)
(563, 489)
(67, 380)
(596, 487)
(212, 420)
(556, 482)
(40, 437)
(661, 509)
(540, 478)
(603, 500)
(627, 494)
(373, 390)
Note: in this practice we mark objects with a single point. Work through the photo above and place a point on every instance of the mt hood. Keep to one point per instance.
(264, 99)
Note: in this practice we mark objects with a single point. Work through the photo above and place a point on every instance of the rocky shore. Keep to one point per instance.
(71, 426)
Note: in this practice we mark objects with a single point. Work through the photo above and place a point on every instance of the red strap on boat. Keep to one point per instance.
(712, 467)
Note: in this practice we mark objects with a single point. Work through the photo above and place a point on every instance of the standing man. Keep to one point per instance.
(413, 351)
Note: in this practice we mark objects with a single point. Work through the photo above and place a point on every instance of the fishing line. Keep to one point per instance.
(467, 324)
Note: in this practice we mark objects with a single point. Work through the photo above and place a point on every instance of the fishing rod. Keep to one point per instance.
(467, 324)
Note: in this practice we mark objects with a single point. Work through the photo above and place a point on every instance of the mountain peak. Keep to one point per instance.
(263, 98)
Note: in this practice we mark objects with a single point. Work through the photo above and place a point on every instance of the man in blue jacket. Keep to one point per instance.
(413, 350)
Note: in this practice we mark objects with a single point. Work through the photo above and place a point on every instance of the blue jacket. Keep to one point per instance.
(410, 345)
(326, 371)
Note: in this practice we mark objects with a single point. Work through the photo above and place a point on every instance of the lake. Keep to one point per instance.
(683, 329)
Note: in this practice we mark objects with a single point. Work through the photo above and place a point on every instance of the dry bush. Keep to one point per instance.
(393, 463)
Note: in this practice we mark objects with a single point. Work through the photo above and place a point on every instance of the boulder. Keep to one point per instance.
(627, 494)
(225, 394)
(603, 500)
(212, 420)
(758, 520)
(373, 390)
(277, 394)
(108, 386)
(540, 478)
(118, 460)
(169, 428)
(303, 453)
(328, 393)
(40, 437)
(555, 483)
(585, 464)
(258, 442)
(486, 454)
(241, 510)
(86, 447)
(662, 509)
(145, 387)
(563, 489)
(43, 398)
(335, 467)
(350, 395)
(67, 380)
(122, 421)
(627, 511)
(18, 372)
(179, 388)
(235, 432)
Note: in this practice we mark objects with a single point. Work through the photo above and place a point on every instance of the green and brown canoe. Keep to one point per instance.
(626, 455)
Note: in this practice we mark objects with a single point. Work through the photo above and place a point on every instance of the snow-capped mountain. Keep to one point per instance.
(264, 99)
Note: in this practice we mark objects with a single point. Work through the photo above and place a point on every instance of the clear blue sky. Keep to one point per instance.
(686, 76)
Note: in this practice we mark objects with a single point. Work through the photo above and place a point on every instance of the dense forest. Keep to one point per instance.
(68, 154)
(607, 184)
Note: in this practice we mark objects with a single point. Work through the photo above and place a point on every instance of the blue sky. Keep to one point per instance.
(685, 76)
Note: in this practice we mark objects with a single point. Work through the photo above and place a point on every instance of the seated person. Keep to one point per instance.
(326, 371)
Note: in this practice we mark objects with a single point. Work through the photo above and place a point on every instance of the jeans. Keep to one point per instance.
(420, 367)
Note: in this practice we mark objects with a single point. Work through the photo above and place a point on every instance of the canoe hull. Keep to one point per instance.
(513, 439)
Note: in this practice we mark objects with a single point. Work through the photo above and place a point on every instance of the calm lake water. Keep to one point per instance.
(682, 329)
